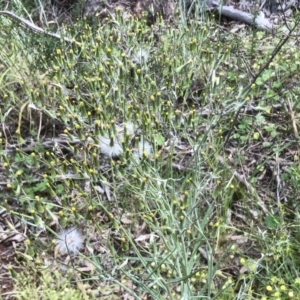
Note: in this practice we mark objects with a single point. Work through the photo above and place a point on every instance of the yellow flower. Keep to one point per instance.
(291, 295)
(297, 280)
(269, 288)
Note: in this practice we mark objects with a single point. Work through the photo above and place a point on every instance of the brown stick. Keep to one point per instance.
(33, 27)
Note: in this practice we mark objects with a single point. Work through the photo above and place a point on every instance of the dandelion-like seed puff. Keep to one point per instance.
(70, 241)
(144, 149)
(115, 149)
(108, 149)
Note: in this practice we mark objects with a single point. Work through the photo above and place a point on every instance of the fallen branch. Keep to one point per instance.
(258, 21)
(25, 23)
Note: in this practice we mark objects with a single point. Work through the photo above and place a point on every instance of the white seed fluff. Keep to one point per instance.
(144, 147)
(141, 56)
(129, 128)
(107, 149)
(70, 241)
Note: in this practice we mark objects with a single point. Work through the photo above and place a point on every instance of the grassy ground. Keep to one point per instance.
(145, 162)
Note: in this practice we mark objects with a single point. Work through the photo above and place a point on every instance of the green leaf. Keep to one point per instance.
(40, 187)
(294, 68)
(259, 81)
(266, 144)
(277, 84)
(29, 160)
(260, 119)
(179, 69)
(272, 221)
(24, 199)
(242, 126)
(267, 75)
(18, 158)
(159, 139)
(269, 93)
(269, 128)
(60, 189)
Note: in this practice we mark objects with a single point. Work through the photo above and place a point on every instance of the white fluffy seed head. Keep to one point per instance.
(144, 148)
(111, 151)
(141, 56)
(70, 241)
(130, 128)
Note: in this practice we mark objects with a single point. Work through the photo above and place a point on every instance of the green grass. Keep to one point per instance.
(176, 215)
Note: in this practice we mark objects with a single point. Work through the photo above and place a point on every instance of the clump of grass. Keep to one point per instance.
(47, 285)
(128, 125)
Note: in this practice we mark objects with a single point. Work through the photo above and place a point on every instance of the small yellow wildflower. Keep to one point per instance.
(291, 295)
(276, 294)
(269, 288)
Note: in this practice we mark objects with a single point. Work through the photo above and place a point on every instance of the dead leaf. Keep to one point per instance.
(145, 237)
(99, 189)
(125, 220)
